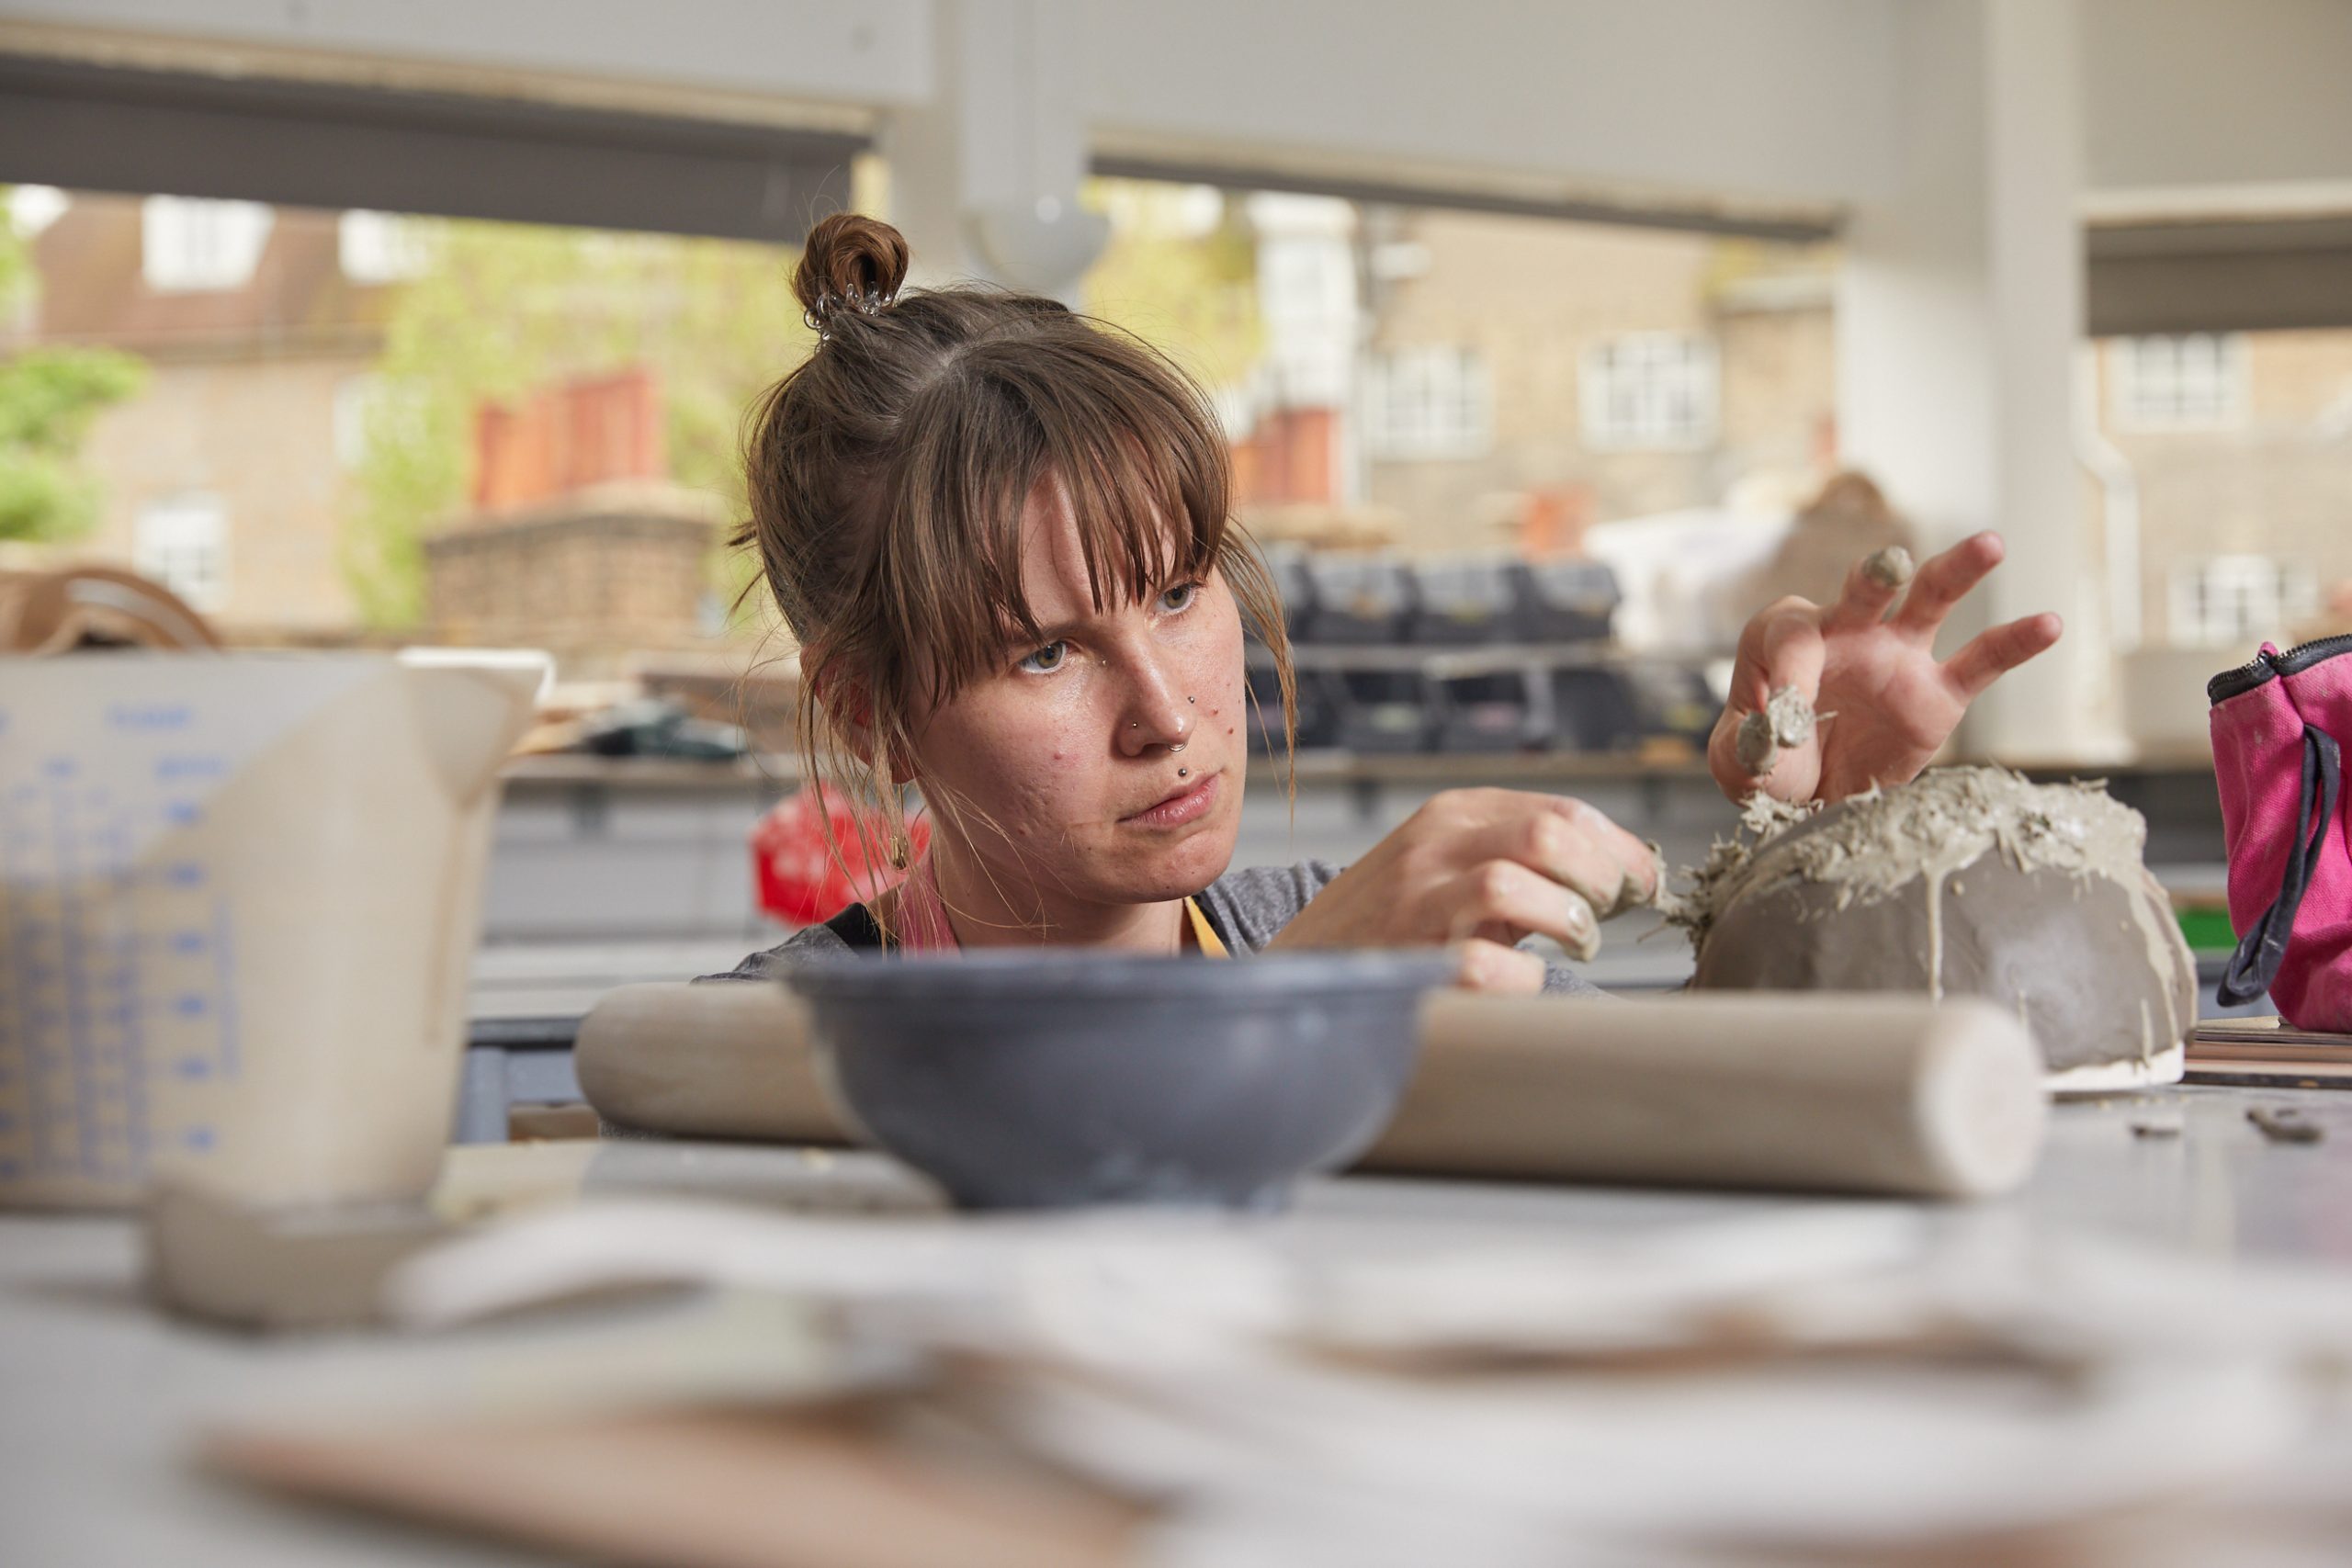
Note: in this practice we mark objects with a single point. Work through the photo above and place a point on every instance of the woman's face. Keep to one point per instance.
(1062, 765)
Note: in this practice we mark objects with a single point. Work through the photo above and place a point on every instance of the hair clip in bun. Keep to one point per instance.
(850, 263)
(864, 301)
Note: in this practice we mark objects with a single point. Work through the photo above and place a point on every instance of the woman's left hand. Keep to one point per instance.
(1885, 703)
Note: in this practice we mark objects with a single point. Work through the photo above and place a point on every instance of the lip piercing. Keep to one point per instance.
(1183, 772)
(1191, 699)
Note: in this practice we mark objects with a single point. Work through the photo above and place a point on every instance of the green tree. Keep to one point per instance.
(48, 399)
(504, 310)
(1181, 272)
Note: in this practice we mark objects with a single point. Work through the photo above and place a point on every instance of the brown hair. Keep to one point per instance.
(890, 471)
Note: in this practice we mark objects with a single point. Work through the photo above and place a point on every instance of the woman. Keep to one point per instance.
(999, 532)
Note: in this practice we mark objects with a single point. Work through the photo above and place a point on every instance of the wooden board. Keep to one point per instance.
(699, 1489)
(2266, 1053)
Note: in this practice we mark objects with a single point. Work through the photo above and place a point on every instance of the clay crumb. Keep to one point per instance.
(2281, 1125)
(1692, 910)
(1786, 719)
(1889, 568)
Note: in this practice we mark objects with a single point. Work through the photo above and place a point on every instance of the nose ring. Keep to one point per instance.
(1177, 747)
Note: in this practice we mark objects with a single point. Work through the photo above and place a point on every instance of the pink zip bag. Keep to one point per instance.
(2280, 724)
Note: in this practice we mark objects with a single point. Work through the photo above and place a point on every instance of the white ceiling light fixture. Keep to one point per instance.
(1043, 247)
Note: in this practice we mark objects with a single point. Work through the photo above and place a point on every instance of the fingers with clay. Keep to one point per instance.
(1571, 843)
(1478, 870)
(1773, 713)
(1877, 580)
(1504, 902)
(1830, 703)
(1784, 722)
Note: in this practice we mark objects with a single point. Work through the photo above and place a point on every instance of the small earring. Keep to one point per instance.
(901, 853)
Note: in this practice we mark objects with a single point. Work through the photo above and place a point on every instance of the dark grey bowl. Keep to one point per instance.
(1046, 1080)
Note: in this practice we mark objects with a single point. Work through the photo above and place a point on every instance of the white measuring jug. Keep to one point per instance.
(238, 897)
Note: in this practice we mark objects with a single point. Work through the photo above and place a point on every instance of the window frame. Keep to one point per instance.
(2191, 619)
(205, 589)
(1599, 368)
(172, 260)
(1452, 416)
(2131, 372)
(377, 249)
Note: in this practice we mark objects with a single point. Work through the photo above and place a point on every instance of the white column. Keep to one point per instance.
(984, 174)
(1958, 309)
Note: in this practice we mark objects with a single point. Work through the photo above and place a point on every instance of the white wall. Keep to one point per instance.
(1787, 99)
(2200, 93)
(852, 50)
(1754, 100)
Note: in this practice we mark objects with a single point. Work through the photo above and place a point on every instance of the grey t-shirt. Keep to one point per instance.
(1247, 909)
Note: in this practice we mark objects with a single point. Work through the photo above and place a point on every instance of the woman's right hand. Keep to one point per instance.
(1478, 870)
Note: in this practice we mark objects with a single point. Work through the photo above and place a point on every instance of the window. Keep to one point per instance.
(1305, 258)
(183, 544)
(188, 244)
(2179, 383)
(1429, 403)
(2240, 599)
(32, 208)
(1649, 390)
(357, 398)
(379, 247)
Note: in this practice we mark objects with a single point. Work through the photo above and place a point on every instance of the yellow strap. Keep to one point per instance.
(1205, 934)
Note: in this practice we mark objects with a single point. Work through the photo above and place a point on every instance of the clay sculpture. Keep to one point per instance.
(1966, 882)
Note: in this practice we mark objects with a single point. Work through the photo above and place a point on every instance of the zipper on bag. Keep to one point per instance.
(2268, 666)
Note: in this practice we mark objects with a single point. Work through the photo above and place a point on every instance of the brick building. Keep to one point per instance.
(2236, 462)
(1448, 380)
(1524, 377)
(1505, 380)
(228, 475)
(576, 541)
(1629, 372)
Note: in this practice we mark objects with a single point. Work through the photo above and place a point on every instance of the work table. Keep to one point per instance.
(104, 1395)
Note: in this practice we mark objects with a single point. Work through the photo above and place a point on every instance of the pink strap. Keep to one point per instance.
(922, 916)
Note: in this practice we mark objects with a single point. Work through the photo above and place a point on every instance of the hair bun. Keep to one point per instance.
(849, 260)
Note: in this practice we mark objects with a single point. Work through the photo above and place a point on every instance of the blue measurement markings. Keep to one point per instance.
(149, 717)
(122, 970)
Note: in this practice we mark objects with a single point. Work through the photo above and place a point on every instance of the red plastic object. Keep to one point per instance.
(804, 877)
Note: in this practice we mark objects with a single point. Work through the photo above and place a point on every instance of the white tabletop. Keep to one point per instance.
(101, 1397)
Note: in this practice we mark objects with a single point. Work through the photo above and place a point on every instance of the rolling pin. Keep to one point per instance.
(1879, 1093)
(722, 1059)
(1876, 1094)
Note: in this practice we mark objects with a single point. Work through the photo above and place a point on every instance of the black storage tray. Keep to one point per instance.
(1357, 601)
(1466, 603)
(1563, 601)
